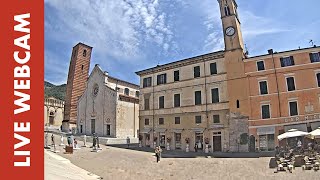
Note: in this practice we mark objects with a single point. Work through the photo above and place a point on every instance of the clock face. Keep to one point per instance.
(95, 90)
(230, 31)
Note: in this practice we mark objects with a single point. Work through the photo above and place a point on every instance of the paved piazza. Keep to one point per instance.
(120, 163)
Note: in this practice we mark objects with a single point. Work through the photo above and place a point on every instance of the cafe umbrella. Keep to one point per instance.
(292, 133)
(315, 133)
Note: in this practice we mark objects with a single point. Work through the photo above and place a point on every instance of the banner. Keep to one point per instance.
(21, 92)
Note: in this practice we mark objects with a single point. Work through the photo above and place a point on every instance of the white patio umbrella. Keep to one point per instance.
(292, 133)
(315, 133)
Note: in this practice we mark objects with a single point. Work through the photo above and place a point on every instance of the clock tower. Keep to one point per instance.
(231, 25)
(237, 83)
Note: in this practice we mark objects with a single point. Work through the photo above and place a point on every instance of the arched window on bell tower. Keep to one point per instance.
(227, 10)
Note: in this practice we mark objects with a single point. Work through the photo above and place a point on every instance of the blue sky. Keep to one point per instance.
(132, 35)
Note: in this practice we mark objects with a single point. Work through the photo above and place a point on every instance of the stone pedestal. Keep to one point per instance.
(187, 148)
(168, 146)
(206, 150)
(140, 144)
(154, 144)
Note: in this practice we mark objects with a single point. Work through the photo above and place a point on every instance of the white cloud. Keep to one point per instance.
(253, 25)
(116, 28)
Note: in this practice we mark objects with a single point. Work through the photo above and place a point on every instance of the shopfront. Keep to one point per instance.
(177, 138)
(266, 137)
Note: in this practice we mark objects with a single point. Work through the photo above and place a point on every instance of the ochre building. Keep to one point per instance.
(228, 101)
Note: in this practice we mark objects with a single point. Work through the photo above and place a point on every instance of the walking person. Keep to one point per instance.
(157, 152)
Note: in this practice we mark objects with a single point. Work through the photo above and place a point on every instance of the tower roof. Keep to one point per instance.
(82, 44)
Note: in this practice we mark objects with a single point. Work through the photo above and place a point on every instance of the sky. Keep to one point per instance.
(133, 35)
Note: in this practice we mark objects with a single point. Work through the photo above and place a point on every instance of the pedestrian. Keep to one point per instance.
(157, 152)
(128, 141)
(69, 141)
(52, 139)
(196, 147)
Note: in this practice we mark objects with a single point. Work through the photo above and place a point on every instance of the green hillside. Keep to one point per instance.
(51, 90)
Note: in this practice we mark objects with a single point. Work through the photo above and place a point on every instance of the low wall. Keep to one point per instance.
(102, 140)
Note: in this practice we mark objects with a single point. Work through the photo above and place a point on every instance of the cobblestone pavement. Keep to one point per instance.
(120, 163)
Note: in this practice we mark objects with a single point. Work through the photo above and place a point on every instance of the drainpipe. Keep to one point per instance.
(205, 89)
(275, 74)
(152, 80)
(134, 118)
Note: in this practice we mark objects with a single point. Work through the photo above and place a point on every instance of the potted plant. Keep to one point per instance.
(155, 139)
(206, 141)
(140, 139)
(168, 143)
(187, 142)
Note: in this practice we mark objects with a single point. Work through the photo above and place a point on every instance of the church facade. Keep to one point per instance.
(108, 107)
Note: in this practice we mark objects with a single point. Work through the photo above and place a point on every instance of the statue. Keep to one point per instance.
(98, 144)
(61, 139)
(94, 142)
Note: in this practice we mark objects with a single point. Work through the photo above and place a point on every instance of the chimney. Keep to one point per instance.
(270, 51)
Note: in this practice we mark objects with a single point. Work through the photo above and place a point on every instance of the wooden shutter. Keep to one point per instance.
(292, 60)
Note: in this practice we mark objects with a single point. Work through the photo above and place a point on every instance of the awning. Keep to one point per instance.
(145, 131)
(177, 130)
(315, 125)
(198, 130)
(300, 127)
(265, 130)
(160, 130)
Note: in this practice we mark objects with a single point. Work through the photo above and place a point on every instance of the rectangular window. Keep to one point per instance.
(161, 121)
(290, 84)
(318, 79)
(213, 68)
(287, 61)
(147, 82)
(177, 100)
(196, 71)
(260, 65)
(265, 111)
(198, 119)
(215, 95)
(216, 118)
(146, 104)
(197, 97)
(314, 57)
(176, 76)
(161, 79)
(293, 106)
(146, 122)
(177, 120)
(161, 102)
(263, 87)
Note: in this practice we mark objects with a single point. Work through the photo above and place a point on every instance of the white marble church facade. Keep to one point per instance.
(108, 107)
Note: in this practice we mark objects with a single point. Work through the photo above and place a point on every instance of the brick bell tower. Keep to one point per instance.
(76, 84)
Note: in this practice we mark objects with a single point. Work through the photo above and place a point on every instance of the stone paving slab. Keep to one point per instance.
(59, 168)
(124, 164)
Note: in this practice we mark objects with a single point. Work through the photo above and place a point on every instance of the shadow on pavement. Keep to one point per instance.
(182, 154)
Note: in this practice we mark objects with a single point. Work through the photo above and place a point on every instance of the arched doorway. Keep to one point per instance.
(51, 118)
(252, 143)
